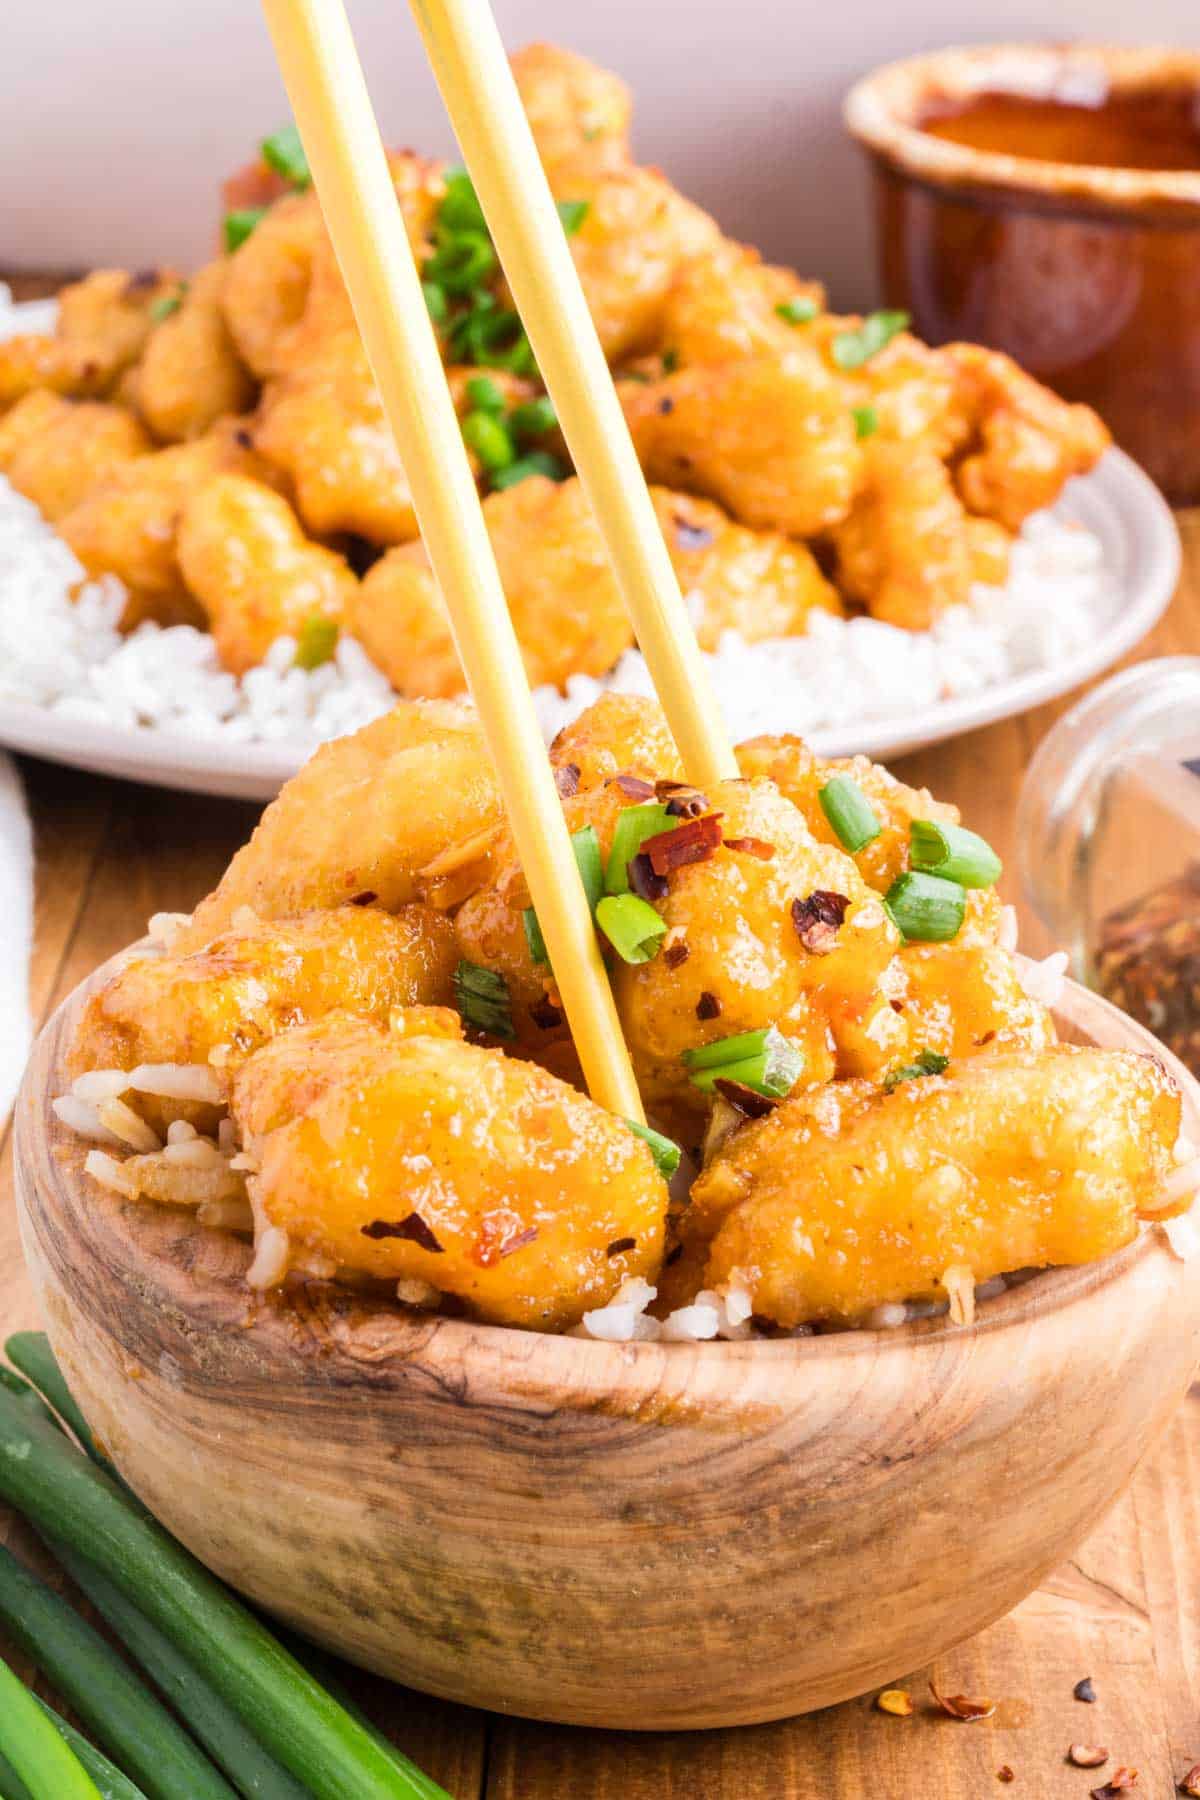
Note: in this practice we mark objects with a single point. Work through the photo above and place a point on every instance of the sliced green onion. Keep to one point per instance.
(954, 853)
(483, 999)
(98, 1684)
(928, 1062)
(573, 213)
(435, 300)
(590, 863)
(165, 305)
(66, 1497)
(239, 224)
(47, 1765)
(110, 1783)
(538, 462)
(462, 261)
(801, 309)
(665, 1151)
(27, 1395)
(460, 209)
(632, 927)
(30, 1352)
(316, 642)
(492, 337)
(851, 349)
(487, 436)
(284, 152)
(633, 827)
(670, 362)
(763, 1060)
(866, 421)
(854, 820)
(532, 419)
(926, 909)
(11, 1785)
(484, 396)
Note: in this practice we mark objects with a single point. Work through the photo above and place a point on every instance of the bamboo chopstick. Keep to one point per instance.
(477, 85)
(325, 83)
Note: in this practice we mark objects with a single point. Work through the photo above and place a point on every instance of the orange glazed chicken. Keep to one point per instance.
(355, 1052)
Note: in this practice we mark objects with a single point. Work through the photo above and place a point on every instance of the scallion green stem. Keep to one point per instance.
(926, 908)
(111, 1784)
(634, 825)
(27, 1395)
(287, 1710)
(11, 1785)
(854, 820)
(765, 1061)
(954, 853)
(665, 1151)
(585, 846)
(632, 927)
(38, 1756)
(538, 462)
(30, 1352)
(241, 224)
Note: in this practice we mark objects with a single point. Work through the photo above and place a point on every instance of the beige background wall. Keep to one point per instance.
(117, 117)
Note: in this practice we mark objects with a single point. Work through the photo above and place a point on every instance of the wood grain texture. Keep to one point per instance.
(537, 1524)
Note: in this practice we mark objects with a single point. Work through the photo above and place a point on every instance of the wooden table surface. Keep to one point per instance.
(1125, 1610)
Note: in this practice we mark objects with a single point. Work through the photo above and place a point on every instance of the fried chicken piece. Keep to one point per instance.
(904, 549)
(364, 816)
(959, 999)
(989, 546)
(576, 111)
(245, 559)
(103, 324)
(267, 281)
(434, 1161)
(127, 526)
(190, 374)
(724, 307)
(323, 425)
(800, 775)
(851, 1197)
(770, 438)
(262, 977)
(617, 734)
(757, 583)
(1022, 443)
(54, 451)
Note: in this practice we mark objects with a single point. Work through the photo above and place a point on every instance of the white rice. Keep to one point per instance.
(68, 657)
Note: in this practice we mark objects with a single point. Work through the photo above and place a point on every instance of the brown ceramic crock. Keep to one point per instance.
(1026, 238)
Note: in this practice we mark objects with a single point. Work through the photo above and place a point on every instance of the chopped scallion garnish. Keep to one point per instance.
(763, 1060)
(954, 853)
(460, 209)
(866, 421)
(670, 362)
(633, 827)
(926, 909)
(284, 152)
(483, 999)
(928, 1062)
(166, 304)
(573, 213)
(632, 927)
(665, 1151)
(538, 462)
(854, 820)
(590, 863)
(488, 437)
(239, 225)
(484, 395)
(462, 261)
(316, 642)
(532, 419)
(801, 309)
(435, 300)
(851, 349)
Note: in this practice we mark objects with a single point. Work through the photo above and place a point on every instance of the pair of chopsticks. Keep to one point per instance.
(332, 108)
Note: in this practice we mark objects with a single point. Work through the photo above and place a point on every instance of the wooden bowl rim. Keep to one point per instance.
(880, 112)
(546, 1360)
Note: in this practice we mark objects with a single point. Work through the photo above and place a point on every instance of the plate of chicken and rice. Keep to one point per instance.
(209, 560)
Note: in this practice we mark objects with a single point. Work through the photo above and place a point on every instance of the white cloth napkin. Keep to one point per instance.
(16, 931)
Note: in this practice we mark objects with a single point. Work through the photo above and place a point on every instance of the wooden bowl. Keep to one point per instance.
(645, 1535)
(1089, 274)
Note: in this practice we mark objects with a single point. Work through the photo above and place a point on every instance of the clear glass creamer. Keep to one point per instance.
(1108, 845)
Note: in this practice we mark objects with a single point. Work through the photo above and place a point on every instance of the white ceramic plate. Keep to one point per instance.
(1116, 502)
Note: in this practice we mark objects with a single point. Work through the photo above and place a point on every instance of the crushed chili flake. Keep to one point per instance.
(1148, 963)
(1087, 1756)
(751, 846)
(512, 1244)
(366, 898)
(545, 1014)
(818, 918)
(685, 803)
(566, 779)
(633, 787)
(897, 1701)
(694, 842)
(413, 1228)
(957, 1706)
(242, 439)
(619, 1246)
(708, 1006)
(644, 882)
(746, 1099)
(673, 1255)
(497, 1238)
(666, 404)
(1190, 1783)
(675, 954)
(1005, 1773)
(1083, 1690)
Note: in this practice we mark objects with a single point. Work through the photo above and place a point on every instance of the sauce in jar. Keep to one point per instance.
(1155, 129)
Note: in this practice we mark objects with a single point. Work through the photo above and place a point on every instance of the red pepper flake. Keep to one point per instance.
(619, 1246)
(644, 882)
(684, 802)
(513, 1244)
(674, 955)
(818, 918)
(708, 1006)
(566, 779)
(497, 1238)
(633, 787)
(957, 1706)
(747, 1099)
(751, 846)
(1190, 1783)
(1087, 1756)
(666, 404)
(243, 439)
(1083, 1690)
(366, 898)
(1005, 1773)
(695, 842)
(413, 1228)
(673, 1255)
(545, 1014)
